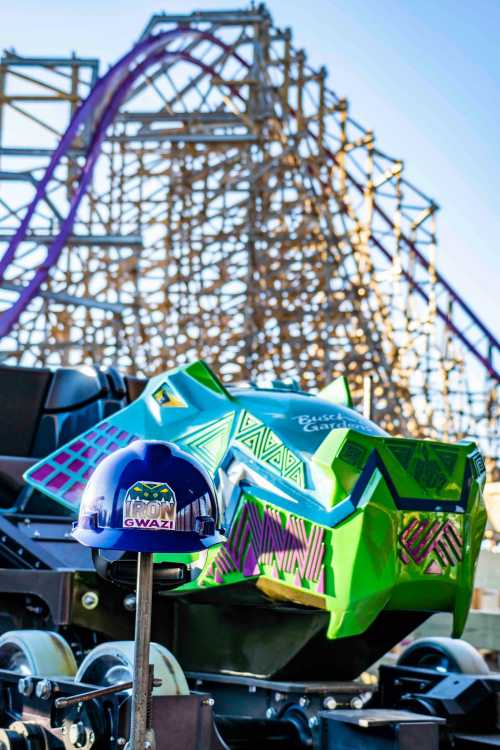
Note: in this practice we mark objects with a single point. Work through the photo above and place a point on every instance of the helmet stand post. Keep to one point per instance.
(141, 731)
(147, 497)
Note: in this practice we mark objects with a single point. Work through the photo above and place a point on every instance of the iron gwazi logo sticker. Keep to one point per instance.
(150, 505)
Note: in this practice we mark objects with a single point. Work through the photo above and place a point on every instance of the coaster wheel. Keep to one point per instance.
(36, 652)
(112, 662)
(444, 655)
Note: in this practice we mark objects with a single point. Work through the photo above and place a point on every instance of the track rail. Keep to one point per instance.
(100, 107)
(99, 110)
(212, 197)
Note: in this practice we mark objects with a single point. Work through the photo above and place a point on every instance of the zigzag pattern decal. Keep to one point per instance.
(257, 540)
(209, 443)
(440, 541)
(266, 446)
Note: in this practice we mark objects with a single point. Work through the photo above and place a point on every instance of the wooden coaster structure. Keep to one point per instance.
(236, 212)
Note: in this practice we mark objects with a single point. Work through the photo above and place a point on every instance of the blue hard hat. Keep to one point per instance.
(149, 497)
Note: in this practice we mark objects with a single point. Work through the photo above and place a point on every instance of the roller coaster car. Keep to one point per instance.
(341, 539)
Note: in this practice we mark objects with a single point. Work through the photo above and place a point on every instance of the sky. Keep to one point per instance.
(424, 75)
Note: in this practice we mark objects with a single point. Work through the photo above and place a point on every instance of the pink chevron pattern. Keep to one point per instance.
(437, 543)
(257, 540)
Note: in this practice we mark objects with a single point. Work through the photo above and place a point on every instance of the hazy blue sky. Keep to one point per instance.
(423, 74)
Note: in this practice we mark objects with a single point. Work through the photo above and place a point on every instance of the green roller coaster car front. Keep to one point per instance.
(324, 511)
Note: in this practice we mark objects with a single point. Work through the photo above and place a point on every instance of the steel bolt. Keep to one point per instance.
(130, 602)
(121, 741)
(25, 686)
(278, 697)
(357, 703)
(44, 689)
(313, 722)
(208, 702)
(330, 703)
(90, 600)
(304, 702)
(271, 713)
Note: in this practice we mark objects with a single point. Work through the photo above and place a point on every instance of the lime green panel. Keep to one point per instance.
(201, 372)
(426, 469)
(337, 392)
(378, 558)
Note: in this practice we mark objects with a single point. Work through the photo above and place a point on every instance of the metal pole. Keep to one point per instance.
(142, 682)
(367, 396)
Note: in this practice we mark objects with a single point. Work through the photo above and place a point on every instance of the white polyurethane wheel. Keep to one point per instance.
(113, 662)
(36, 652)
(444, 654)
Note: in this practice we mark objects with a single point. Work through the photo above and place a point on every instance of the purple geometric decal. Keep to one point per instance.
(439, 541)
(62, 457)
(64, 474)
(38, 475)
(257, 540)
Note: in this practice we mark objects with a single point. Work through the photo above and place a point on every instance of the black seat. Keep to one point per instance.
(41, 410)
(117, 397)
(74, 387)
(71, 407)
(23, 392)
(135, 387)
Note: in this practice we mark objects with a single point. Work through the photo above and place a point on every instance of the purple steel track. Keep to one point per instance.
(101, 106)
(119, 79)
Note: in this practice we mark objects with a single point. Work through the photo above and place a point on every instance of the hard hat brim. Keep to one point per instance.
(142, 540)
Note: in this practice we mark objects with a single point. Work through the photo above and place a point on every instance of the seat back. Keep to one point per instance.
(135, 387)
(73, 405)
(23, 391)
(41, 410)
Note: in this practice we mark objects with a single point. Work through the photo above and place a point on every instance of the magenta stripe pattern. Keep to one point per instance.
(261, 538)
(434, 545)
